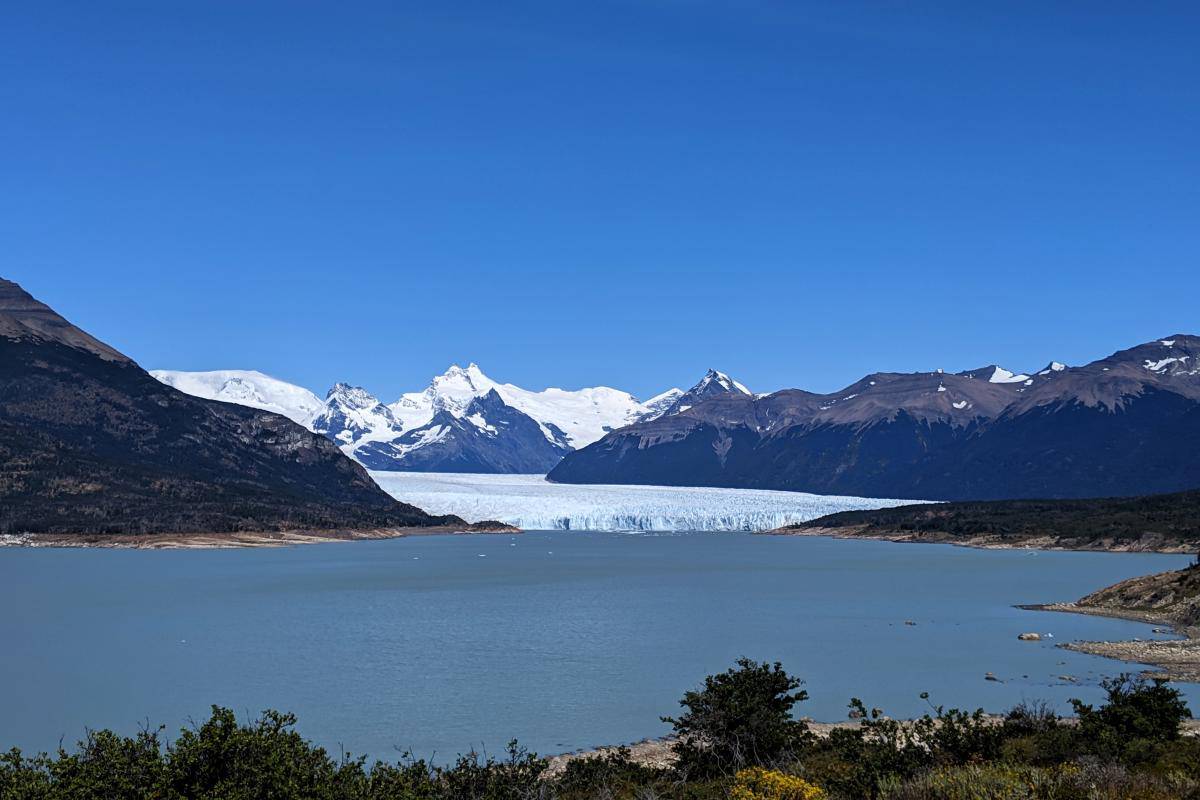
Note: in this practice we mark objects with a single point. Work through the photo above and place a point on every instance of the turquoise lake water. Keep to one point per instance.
(559, 639)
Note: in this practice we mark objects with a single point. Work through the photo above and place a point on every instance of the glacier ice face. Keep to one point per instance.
(532, 503)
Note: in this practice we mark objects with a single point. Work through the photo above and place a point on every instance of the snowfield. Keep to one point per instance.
(532, 503)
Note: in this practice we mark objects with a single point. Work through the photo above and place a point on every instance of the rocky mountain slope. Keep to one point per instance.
(462, 422)
(1124, 425)
(92, 443)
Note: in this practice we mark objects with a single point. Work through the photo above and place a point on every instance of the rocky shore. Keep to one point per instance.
(1168, 599)
(658, 753)
(240, 539)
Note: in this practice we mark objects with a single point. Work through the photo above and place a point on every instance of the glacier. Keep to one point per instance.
(532, 503)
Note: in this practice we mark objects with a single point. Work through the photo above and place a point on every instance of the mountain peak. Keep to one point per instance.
(353, 396)
(23, 317)
(720, 379)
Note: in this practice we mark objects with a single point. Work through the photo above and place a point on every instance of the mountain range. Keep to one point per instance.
(1123, 425)
(90, 443)
(463, 421)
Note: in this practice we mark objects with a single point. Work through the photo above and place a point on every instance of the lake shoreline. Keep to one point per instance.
(1175, 659)
(238, 540)
(657, 753)
(988, 541)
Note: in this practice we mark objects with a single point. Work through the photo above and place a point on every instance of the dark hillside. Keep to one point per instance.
(1153, 521)
(91, 443)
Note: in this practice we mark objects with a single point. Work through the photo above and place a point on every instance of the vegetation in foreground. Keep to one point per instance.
(737, 739)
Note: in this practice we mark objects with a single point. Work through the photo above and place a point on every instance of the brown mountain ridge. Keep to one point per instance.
(90, 443)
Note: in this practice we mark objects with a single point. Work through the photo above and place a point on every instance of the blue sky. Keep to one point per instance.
(622, 193)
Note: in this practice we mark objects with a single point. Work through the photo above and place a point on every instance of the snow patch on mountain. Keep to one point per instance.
(573, 418)
(1001, 375)
(532, 503)
(246, 388)
(660, 404)
(352, 416)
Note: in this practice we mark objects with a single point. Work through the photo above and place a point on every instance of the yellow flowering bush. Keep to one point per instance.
(757, 783)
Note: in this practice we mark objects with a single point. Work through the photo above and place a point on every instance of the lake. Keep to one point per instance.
(560, 639)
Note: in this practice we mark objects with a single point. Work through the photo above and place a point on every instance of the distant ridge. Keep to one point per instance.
(90, 443)
(1128, 424)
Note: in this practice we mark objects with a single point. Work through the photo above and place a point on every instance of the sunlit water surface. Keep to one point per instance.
(560, 639)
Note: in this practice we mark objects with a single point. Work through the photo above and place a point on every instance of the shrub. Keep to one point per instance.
(514, 778)
(757, 783)
(614, 773)
(982, 782)
(1138, 718)
(267, 758)
(740, 718)
(1029, 718)
(1092, 781)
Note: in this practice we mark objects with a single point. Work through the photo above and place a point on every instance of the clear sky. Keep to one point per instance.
(620, 193)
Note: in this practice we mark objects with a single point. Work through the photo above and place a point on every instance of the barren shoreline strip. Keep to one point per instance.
(657, 753)
(986, 541)
(237, 539)
(1179, 659)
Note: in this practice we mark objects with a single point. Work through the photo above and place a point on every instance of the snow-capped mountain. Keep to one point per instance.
(713, 384)
(488, 435)
(569, 418)
(247, 388)
(351, 414)
(660, 404)
(1127, 424)
(462, 421)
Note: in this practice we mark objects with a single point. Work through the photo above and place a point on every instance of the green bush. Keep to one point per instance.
(740, 718)
(1138, 718)
(615, 774)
